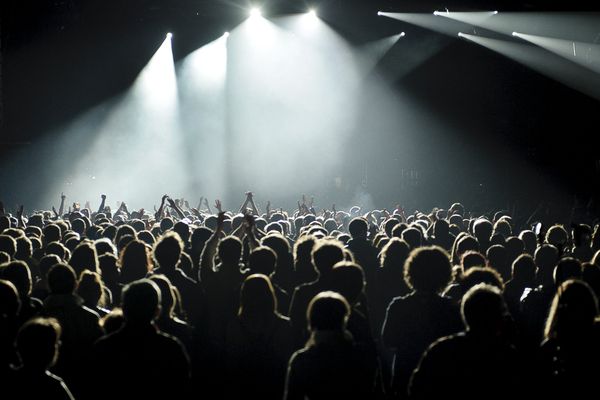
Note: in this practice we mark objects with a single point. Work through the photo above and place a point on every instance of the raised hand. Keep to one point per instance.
(218, 206)
(172, 202)
(103, 196)
(55, 212)
(220, 219)
(63, 197)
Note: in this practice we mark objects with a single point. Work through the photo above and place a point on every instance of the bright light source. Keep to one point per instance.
(436, 13)
(169, 35)
(312, 13)
(379, 13)
(226, 35)
(460, 34)
(402, 34)
(255, 13)
(515, 34)
(495, 12)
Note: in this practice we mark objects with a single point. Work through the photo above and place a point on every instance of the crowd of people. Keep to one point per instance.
(189, 301)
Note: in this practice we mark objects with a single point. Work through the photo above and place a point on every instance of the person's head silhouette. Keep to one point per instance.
(141, 302)
(38, 342)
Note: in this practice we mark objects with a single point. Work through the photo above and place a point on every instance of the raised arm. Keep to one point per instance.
(253, 204)
(175, 207)
(207, 259)
(102, 203)
(159, 213)
(250, 234)
(245, 203)
(61, 208)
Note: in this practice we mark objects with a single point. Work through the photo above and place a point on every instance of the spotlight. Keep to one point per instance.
(255, 13)
(436, 13)
(495, 12)
(226, 35)
(312, 13)
(515, 34)
(460, 34)
(379, 13)
(169, 35)
(402, 34)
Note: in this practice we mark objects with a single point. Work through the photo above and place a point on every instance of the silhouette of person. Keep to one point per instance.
(37, 345)
(258, 343)
(414, 321)
(138, 360)
(331, 365)
(475, 361)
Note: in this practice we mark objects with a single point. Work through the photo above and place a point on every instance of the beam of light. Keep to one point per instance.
(576, 26)
(445, 26)
(544, 62)
(373, 52)
(128, 147)
(255, 12)
(291, 93)
(202, 78)
(312, 13)
(584, 54)
(472, 18)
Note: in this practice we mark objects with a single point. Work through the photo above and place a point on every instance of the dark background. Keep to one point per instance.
(523, 138)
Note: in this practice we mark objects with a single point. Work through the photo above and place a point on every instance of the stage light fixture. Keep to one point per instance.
(312, 13)
(169, 35)
(255, 13)
(402, 34)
